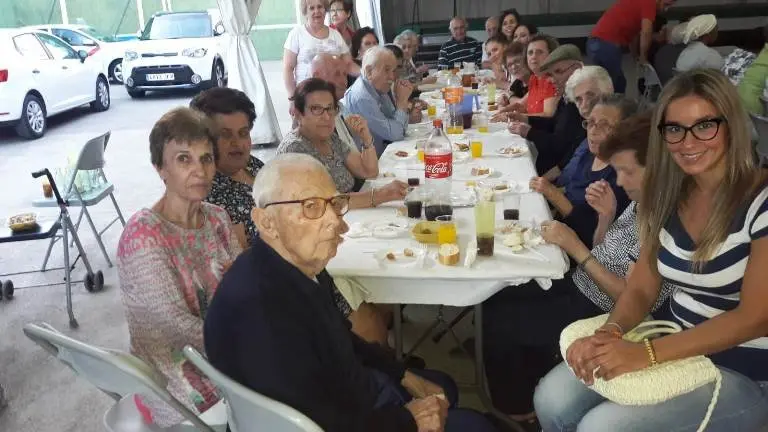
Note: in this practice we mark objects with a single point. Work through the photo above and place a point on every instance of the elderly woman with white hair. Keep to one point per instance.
(408, 41)
(700, 33)
(585, 87)
(381, 98)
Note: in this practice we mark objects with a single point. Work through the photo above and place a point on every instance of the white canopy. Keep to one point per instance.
(244, 68)
(369, 15)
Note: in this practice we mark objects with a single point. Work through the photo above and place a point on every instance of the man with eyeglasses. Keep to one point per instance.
(388, 114)
(461, 48)
(274, 328)
(555, 137)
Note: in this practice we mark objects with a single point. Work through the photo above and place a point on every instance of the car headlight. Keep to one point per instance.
(194, 52)
(130, 56)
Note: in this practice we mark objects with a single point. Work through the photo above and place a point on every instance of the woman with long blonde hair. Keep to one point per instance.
(707, 235)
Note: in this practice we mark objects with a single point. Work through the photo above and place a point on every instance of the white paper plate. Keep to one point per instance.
(464, 173)
(430, 87)
(390, 228)
(507, 151)
(400, 258)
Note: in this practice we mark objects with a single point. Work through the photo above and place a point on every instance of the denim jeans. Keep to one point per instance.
(609, 57)
(564, 403)
(459, 420)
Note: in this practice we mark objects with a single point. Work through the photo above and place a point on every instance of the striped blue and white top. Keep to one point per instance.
(699, 296)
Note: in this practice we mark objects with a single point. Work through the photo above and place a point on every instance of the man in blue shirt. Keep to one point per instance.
(387, 112)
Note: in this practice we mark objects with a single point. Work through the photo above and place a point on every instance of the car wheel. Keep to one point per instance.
(32, 123)
(103, 100)
(217, 74)
(136, 94)
(116, 71)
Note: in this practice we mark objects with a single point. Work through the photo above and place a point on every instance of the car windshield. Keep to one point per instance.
(177, 26)
(92, 32)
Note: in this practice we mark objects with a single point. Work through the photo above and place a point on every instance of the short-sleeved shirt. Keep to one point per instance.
(236, 197)
(335, 163)
(539, 90)
(306, 47)
(619, 249)
(622, 22)
(702, 295)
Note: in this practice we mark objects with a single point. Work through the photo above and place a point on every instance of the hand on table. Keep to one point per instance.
(429, 413)
(394, 191)
(600, 196)
(359, 126)
(419, 387)
(559, 234)
(500, 117)
(519, 128)
(422, 69)
(429, 80)
(542, 186)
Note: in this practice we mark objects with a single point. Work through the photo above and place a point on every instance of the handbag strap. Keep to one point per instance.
(654, 328)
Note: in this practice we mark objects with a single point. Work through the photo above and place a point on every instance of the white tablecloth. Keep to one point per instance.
(374, 282)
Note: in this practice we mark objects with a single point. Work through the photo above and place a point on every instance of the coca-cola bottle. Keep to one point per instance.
(438, 169)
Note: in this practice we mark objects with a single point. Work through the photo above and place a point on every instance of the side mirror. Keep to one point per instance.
(82, 54)
(219, 30)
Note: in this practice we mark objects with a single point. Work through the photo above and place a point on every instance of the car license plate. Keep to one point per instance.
(160, 77)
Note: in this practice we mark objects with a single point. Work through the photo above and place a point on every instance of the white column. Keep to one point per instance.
(140, 11)
(64, 14)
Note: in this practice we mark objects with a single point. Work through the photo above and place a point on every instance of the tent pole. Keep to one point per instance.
(122, 17)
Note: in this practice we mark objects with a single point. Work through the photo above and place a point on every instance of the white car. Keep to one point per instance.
(177, 50)
(104, 48)
(41, 75)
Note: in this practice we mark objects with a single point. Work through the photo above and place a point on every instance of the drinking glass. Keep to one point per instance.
(414, 202)
(476, 147)
(491, 92)
(485, 226)
(481, 120)
(512, 207)
(446, 230)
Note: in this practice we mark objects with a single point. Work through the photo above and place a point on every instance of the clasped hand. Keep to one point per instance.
(605, 356)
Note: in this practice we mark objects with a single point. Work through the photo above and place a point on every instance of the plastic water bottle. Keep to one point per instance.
(454, 95)
(438, 170)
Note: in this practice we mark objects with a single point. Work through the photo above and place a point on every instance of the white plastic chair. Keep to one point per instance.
(250, 411)
(652, 85)
(91, 158)
(761, 126)
(120, 375)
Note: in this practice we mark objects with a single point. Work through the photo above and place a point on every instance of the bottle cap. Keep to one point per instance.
(438, 123)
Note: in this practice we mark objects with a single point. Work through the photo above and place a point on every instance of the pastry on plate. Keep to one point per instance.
(479, 171)
(401, 153)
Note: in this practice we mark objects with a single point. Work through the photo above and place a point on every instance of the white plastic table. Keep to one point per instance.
(443, 285)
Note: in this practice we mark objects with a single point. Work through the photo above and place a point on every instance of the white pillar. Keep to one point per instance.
(64, 14)
(140, 12)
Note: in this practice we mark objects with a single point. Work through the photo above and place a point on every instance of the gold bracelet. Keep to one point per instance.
(651, 351)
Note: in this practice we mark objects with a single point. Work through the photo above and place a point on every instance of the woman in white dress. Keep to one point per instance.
(307, 40)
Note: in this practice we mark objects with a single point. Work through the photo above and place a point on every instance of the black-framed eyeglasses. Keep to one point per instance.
(315, 207)
(601, 125)
(318, 110)
(702, 130)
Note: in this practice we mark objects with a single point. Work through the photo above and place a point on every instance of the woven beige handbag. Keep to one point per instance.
(654, 384)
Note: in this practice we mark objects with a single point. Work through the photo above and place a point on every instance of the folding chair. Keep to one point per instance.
(118, 374)
(761, 126)
(250, 411)
(45, 230)
(652, 85)
(91, 158)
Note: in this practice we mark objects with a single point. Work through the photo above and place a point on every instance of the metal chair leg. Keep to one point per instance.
(97, 235)
(77, 224)
(117, 209)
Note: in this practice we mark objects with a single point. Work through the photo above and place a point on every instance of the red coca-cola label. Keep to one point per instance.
(438, 166)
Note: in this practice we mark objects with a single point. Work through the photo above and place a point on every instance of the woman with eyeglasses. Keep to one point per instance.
(586, 177)
(707, 234)
(341, 12)
(316, 109)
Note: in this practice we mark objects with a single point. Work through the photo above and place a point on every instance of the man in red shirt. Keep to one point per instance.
(617, 29)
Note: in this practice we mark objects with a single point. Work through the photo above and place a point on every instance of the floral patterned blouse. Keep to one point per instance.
(335, 163)
(236, 197)
(168, 275)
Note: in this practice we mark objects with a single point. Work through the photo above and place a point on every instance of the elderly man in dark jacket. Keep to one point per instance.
(273, 325)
